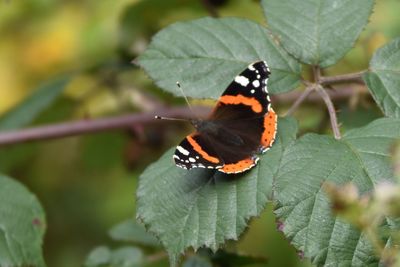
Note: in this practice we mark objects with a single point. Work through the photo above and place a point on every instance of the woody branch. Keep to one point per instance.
(125, 122)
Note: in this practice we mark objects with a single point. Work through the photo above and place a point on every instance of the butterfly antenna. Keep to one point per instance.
(169, 119)
(187, 101)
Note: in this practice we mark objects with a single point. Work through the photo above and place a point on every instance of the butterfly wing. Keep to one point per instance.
(195, 151)
(244, 110)
(246, 96)
(245, 124)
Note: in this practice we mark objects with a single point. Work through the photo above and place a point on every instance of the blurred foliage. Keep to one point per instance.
(23, 225)
(375, 213)
(86, 183)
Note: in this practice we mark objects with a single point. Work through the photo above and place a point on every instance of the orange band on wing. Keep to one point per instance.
(240, 99)
(240, 166)
(199, 150)
(268, 135)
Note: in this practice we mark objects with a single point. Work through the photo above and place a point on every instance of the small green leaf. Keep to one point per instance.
(121, 257)
(22, 225)
(99, 256)
(203, 207)
(131, 231)
(362, 157)
(33, 105)
(127, 257)
(205, 55)
(317, 32)
(383, 78)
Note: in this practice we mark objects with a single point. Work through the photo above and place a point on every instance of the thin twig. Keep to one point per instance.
(345, 78)
(300, 100)
(340, 93)
(331, 109)
(91, 126)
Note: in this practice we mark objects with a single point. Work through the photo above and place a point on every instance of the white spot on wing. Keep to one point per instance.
(251, 67)
(242, 80)
(182, 150)
(256, 83)
(192, 160)
(252, 91)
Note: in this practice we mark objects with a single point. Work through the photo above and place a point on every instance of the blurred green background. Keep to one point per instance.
(87, 184)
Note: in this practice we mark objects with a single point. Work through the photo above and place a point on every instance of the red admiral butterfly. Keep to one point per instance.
(241, 125)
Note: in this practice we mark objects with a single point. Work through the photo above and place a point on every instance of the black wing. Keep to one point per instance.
(246, 96)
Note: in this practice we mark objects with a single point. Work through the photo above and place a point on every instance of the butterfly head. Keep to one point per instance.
(205, 126)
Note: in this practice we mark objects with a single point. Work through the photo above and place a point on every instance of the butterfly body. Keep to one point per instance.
(217, 131)
(242, 125)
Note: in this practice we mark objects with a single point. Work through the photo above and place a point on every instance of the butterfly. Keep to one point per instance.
(241, 126)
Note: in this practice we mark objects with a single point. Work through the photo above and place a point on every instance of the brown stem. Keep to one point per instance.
(331, 109)
(300, 100)
(345, 78)
(317, 74)
(340, 93)
(92, 126)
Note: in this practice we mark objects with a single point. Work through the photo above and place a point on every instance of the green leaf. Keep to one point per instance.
(33, 105)
(361, 157)
(383, 78)
(99, 256)
(203, 207)
(127, 257)
(317, 32)
(121, 257)
(205, 55)
(133, 232)
(22, 225)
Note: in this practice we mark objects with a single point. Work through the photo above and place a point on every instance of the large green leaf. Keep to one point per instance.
(22, 225)
(383, 78)
(206, 54)
(33, 105)
(317, 32)
(362, 157)
(203, 207)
